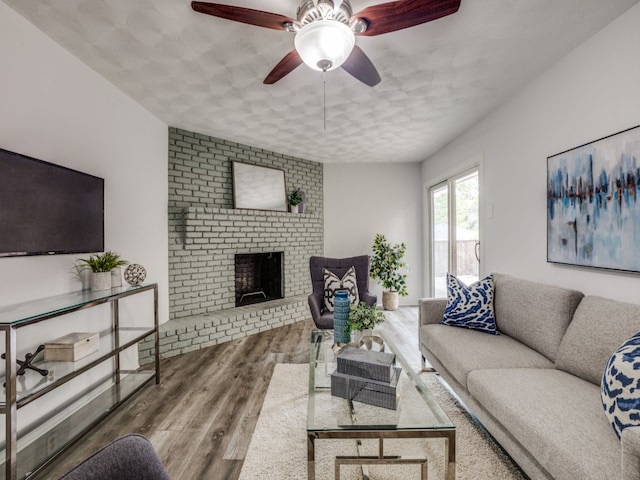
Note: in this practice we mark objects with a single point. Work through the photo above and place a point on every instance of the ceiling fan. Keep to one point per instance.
(325, 31)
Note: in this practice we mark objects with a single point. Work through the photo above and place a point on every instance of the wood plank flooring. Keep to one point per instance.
(202, 415)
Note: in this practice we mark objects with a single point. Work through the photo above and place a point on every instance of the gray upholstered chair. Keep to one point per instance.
(131, 457)
(339, 266)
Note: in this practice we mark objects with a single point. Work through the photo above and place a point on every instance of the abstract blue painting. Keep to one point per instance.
(593, 203)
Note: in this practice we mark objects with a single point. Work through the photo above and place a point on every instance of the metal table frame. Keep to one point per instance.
(446, 432)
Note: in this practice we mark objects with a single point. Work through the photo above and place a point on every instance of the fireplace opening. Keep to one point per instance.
(258, 277)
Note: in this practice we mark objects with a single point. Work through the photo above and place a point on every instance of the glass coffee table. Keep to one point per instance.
(418, 414)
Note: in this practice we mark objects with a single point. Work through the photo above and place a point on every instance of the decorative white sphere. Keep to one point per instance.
(135, 274)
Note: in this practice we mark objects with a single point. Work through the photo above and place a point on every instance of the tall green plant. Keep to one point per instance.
(387, 263)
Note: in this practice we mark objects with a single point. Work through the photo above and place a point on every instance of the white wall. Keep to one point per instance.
(55, 108)
(361, 200)
(591, 93)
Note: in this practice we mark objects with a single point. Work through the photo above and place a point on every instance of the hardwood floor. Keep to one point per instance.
(202, 415)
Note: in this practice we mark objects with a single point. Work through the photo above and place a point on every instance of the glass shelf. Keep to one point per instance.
(28, 312)
(32, 383)
(36, 446)
(33, 441)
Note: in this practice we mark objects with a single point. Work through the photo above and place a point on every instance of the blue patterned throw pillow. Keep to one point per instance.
(470, 306)
(620, 388)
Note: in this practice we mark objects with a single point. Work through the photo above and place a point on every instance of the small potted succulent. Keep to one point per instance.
(295, 199)
(363, 318)
(102, 267)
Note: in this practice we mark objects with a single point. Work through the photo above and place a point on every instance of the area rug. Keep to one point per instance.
(278, 448)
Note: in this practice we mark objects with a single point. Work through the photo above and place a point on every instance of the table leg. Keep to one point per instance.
(311, 457)
(451, 456)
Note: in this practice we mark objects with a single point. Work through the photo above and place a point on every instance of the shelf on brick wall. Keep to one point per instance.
(202, 223)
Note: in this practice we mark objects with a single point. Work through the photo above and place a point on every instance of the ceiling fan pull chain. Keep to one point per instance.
(324, 99)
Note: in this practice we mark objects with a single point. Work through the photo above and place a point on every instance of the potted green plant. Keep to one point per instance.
(386, 266)
(101, 266)
(295, 199)
(364, 317)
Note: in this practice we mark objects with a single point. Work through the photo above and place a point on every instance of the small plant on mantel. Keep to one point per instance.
(295, 199)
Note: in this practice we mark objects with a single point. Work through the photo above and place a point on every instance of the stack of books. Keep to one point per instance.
(366, 376)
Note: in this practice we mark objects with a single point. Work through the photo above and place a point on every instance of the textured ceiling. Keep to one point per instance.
(205, 74)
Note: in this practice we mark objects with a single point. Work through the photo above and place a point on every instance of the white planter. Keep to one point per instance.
(84, 274)
(100, 281)
(390, 300)
(293, 208)
(360, 336)
(116, 277)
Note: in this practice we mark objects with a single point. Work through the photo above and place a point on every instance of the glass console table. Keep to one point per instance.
(88, 389)
(418, 414)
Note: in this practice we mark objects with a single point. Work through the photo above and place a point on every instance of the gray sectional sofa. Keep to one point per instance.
(536, 386)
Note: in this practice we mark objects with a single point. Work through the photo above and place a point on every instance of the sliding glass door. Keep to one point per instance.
(454, 226)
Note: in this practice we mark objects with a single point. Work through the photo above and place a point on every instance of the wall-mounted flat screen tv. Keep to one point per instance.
(47, 209)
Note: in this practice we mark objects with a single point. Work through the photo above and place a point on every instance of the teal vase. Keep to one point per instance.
(341, 305)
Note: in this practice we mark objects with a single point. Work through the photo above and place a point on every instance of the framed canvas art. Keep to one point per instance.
(258, 188)
(593, 205)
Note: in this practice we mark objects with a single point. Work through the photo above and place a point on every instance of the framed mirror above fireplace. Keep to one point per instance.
(258, 188)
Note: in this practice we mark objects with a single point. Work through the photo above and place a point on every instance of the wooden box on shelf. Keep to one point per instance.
(72, 347)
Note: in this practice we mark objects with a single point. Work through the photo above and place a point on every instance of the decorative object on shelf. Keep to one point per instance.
(386, 266)
(83, 274)
(27, 364)
(116, 277)
(341, 305)
(593, 209)
(101, 266)
(135, 274)
(295, 199)
(72, 347)
(100, 281)
(302, 205)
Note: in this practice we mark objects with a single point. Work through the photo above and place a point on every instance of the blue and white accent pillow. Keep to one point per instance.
(620, 388)
(470, 306)
(332, 283)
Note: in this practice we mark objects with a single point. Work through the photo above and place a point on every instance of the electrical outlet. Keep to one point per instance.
(52, 374)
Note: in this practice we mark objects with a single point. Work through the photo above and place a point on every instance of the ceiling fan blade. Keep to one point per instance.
(359, 66)
(393, 16)
(289, 63)
(243, 15)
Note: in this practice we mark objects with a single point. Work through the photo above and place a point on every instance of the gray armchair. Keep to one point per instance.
(339, 266)
(131, 457)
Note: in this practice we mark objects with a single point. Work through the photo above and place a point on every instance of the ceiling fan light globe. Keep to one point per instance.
(324, 42)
